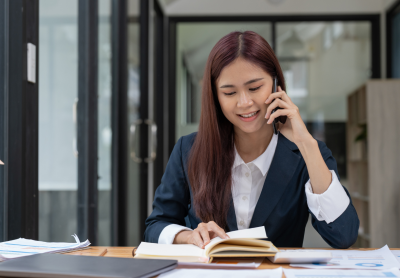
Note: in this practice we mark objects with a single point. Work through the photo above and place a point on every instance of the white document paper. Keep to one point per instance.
(396, 253)
(217, 273)
(24, 247)
(375, 259)
(301, 257)
(190, 250)
(226, 263)
(325, 273)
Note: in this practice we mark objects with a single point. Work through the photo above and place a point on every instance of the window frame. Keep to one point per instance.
(390, 13)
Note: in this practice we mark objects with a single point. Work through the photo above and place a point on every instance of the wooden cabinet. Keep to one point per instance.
(373, 161)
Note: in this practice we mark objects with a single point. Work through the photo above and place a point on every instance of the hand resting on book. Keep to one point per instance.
(202, 235)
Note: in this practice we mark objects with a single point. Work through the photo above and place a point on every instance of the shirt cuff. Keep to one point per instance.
(168, 234)
(329, 205)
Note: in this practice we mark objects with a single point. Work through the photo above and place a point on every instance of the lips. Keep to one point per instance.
(248, 117)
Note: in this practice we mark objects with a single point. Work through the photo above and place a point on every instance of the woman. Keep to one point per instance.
(236, 173)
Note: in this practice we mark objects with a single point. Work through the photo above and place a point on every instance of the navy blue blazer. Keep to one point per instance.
(282, 207)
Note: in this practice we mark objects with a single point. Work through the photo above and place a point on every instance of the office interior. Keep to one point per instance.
(116, 83)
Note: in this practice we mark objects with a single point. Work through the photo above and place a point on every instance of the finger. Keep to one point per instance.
(276, 114)
(277, 103)
(204, 234)
(281, 94)
(196, 239)
(285, 95)
(273, 96)
(203, 259)
(212, 226)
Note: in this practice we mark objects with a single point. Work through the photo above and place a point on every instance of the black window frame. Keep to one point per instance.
(390, 13)
(19, 20)
(87, 194)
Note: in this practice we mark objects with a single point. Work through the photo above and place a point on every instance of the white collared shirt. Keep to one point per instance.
(248, 181)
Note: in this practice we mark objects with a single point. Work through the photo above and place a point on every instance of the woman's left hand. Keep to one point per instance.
(294, 129)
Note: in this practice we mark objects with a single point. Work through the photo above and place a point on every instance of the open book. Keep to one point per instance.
(242, 243)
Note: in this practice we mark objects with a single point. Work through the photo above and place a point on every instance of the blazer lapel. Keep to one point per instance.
(231, 219)
(282, 168)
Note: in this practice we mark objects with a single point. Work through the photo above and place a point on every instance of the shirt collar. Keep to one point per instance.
(263, 162)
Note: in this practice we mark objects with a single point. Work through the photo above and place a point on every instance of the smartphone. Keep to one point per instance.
(281, 119)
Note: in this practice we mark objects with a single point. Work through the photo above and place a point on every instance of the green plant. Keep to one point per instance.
(363, 134)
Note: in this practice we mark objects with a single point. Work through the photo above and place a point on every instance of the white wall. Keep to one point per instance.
(272, 7)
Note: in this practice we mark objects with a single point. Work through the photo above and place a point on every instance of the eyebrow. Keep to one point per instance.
(247, 83)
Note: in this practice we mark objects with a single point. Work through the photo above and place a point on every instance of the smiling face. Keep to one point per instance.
(242, 89)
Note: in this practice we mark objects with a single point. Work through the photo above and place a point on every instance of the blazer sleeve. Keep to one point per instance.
(171, 199)
(342, 232)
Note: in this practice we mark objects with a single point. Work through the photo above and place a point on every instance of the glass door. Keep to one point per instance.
(58, 90)
(134, 121)
(145, 112)
(104, 123)
(126, 141)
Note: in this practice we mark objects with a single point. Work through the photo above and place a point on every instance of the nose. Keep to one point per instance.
(244, 100)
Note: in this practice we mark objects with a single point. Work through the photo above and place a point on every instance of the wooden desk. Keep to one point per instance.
(118, 252)
(126, 252)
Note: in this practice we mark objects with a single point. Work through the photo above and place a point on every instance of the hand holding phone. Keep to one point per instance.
(281, 119)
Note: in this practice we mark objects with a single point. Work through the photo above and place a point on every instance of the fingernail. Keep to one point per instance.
(226, 237)
(203, 260)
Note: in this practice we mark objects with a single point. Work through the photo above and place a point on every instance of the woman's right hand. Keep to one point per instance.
(202, 235)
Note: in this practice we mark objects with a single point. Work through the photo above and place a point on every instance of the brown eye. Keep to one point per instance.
(255, 89)
(229, 94)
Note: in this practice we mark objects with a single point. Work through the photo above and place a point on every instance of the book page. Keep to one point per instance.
(244, 248)
(169, 250)
(253, 233)
(258, 232)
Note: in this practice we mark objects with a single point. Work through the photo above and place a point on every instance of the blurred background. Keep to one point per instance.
(118, 82)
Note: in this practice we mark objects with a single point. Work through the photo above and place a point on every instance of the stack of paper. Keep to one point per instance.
(211, 273)
(354, 259)
(325, 273)
(24, 247)
(226, 263)
(396, 253)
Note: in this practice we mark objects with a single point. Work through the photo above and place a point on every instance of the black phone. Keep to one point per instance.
(281, 119)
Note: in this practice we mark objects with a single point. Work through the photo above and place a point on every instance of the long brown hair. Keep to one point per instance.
(212, 154)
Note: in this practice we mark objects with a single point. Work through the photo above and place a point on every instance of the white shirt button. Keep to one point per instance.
(244, 198)
(247, 174)
(241, 223)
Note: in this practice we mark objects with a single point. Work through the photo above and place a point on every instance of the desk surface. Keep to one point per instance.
(126, 252)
